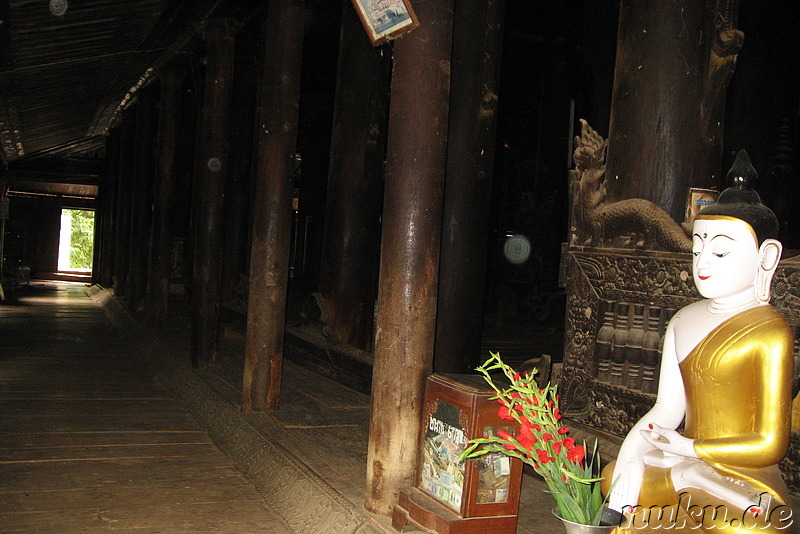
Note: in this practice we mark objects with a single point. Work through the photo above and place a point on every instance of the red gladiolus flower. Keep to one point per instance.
(505, 413)
(536, 427)
(564, 477)
(563, 430)
(506, 436)
(556, 447)
(526, 441)
(568, 442)
(517, 376)
(525, 430)
(526, 437)
(557, 413)
(547, 437)
(576, 454)
(543, 456)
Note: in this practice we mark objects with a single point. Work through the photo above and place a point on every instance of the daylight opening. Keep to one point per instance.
(76, 242)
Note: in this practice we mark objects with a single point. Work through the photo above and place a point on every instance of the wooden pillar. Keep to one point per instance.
(46, 254)
(412, 223)
(348, 277)
(237, 192)
(210, 174)
(123, 208)
(97, 237)
(161, 242)
(4, 203)
(470, 162)
(272, 214)
(235, 231)
(103, 270)
(665, 134)
(140, 198)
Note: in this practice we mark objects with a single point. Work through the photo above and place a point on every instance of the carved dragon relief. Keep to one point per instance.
(628, 223)
(726, 43)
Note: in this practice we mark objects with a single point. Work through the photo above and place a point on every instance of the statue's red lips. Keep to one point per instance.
(701, 277)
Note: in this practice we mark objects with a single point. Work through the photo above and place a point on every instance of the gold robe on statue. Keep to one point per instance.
(738, 409)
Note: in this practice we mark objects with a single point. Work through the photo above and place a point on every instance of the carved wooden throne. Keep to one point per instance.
(625, 281)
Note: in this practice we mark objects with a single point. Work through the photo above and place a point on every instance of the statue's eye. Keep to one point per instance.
(720, 254)
(696, 253)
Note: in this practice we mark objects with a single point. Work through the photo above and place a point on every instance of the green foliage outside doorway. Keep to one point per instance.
(81, 239)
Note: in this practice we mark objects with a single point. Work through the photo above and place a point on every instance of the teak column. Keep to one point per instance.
(412, 223)
(107, 211)
(140, 198)
(673, 66)
(238, 190)
(161, 245)
(211, 167)
(122, 223)
(470, 163)
(349, 266)
(279, 97)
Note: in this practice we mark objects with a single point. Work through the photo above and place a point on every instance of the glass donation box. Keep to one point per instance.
(451, 497)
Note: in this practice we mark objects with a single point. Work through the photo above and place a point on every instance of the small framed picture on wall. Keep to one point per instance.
(386, 19)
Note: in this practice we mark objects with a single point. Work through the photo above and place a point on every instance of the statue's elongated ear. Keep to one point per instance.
(769, 255)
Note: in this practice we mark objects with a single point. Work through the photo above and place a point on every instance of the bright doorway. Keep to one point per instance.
(76, 241)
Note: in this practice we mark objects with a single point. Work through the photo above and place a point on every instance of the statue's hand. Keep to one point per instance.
(626, 484)
(669, 441)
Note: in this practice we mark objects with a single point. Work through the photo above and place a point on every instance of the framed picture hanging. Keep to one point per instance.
(386, 19)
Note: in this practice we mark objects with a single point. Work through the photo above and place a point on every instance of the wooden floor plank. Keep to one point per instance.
(83, 423)
(90, 451)
(172, 492)
(126, 471)
(212, 517)
(100, 439)
(90, 441)
(24, 406)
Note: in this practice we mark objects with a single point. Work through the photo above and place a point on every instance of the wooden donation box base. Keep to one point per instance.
(451, 497)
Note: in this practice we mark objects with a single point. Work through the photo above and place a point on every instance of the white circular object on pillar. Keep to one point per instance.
(517, 249)
(214, 164)
(58, 7)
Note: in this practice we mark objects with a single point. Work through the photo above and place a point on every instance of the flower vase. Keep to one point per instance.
(610, 520)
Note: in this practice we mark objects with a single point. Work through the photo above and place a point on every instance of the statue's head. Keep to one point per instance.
(734, 241)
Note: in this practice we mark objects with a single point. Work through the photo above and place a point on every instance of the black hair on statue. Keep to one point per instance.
(741, 202)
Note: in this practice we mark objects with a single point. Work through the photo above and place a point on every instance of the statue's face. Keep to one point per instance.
(726, 258)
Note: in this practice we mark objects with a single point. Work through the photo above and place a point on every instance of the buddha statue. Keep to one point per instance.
(726, 374)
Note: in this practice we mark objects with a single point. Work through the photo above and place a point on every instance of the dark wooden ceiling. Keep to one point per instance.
(61, 76)
(69, 67)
